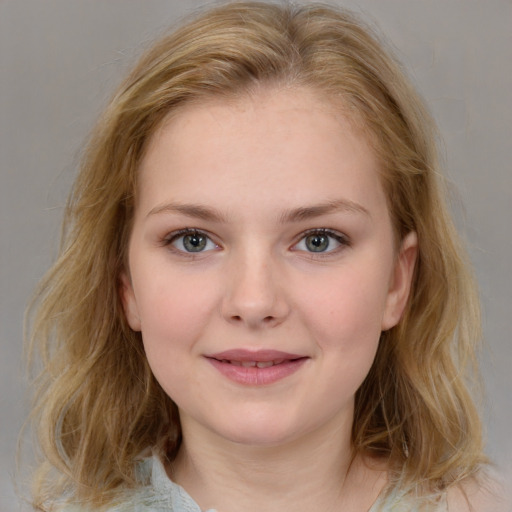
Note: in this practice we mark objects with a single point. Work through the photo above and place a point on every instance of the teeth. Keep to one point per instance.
(254, 364)
(264, 364)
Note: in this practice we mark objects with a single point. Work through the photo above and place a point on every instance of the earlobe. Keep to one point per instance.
(129, 302)
(401, 281)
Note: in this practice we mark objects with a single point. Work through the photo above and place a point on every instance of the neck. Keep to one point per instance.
(318, 471)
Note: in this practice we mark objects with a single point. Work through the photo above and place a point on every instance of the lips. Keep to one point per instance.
(255, 368)
(252, 364)
(243, 355)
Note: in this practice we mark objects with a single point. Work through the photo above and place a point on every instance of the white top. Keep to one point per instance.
(163, 495)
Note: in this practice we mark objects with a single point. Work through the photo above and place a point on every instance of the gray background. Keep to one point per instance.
(61, 59)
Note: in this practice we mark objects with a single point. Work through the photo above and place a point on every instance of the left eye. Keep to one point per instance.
(193, 241)
(320, 242)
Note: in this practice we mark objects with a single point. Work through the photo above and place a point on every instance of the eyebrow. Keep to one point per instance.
(288, 216)
(190, 210)
(310, 212)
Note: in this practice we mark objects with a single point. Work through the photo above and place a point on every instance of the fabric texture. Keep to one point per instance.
(163, 495)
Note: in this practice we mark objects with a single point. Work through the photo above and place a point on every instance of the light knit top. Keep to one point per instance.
(163, 495)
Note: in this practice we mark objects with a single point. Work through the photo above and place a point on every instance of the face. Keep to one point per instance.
(262, 265)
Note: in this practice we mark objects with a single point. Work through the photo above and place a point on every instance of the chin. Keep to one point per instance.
(260, 432)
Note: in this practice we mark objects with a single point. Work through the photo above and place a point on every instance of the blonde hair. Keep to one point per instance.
(98, 405)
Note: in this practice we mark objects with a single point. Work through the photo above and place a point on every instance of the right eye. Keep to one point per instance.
(191, 241)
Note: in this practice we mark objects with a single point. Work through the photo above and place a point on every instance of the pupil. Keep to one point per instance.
(194, 243)
(317, 243)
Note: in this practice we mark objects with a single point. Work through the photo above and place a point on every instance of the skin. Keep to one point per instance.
(258, 174)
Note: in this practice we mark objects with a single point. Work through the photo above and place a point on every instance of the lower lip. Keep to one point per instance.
(254, 376)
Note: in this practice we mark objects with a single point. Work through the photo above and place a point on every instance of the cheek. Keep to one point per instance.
(175, 313)
(347, 335)
(345, 311)
(174, 310)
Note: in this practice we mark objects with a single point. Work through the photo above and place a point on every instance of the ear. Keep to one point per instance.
(401, 280)
(129, 302)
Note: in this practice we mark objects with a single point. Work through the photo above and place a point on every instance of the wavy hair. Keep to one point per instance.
(98, 405)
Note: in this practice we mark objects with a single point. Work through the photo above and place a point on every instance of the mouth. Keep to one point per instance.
(255, 364)
(256, 368)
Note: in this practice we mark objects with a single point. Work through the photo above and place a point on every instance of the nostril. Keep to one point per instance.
(268, 319)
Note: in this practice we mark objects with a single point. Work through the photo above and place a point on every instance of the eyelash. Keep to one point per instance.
(176, 235)
(340, 238)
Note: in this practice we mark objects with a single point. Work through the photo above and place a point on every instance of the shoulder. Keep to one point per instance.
(482, 493)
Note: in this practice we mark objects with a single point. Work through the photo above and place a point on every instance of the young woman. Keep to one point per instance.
(260, 301)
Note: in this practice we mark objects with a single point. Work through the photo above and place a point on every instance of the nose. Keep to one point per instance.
(254, 296)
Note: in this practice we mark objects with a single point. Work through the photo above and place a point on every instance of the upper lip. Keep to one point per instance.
(244, 355)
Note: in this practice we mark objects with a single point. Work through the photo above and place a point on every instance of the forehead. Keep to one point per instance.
(292, 141)
(260, 106)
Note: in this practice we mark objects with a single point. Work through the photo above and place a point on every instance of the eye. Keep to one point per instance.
(191, 241)
(320, 241)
